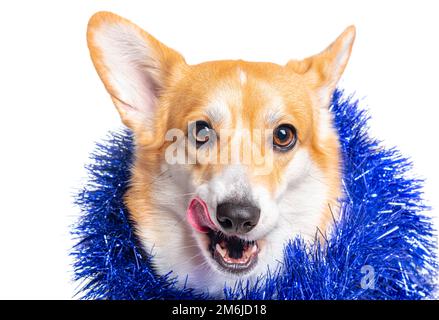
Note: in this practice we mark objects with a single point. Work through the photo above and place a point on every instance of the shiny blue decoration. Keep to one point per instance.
(382, 246)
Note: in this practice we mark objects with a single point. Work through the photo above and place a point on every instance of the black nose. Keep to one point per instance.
(239, 218)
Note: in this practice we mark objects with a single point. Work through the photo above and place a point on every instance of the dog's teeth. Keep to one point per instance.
(254, 248)
(220, 250)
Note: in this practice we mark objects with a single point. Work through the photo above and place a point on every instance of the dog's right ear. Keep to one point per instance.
(133, 66)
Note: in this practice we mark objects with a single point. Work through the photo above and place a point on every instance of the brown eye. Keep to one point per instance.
(201, 132)
(284, 137)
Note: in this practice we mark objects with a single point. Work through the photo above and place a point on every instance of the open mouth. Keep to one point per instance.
(233, 254)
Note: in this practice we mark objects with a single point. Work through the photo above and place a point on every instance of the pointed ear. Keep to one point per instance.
(322, 71)
(133, 66)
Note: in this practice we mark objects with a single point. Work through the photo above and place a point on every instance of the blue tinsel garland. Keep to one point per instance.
(382, 226)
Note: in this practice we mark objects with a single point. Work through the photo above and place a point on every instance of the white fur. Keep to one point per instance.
(130, 67)
(325, 123)
(274, 113)
(336, 67)
(218, 111)
(242, 77)
(343, 54)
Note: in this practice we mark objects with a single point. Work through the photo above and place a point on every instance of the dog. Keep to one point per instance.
(213, 223)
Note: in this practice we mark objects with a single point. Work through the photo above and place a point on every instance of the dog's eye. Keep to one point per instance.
(284, 137)
(201, 132)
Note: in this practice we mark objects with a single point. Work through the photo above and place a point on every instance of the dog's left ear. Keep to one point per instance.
(322, 71)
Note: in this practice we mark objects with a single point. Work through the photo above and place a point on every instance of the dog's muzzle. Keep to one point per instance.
(231, 253)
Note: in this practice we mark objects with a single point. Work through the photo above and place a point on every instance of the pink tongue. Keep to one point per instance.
(199, 217)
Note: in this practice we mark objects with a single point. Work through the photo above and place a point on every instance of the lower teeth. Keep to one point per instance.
(246, 254)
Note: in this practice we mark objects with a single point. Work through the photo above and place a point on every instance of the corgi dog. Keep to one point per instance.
(215, 222)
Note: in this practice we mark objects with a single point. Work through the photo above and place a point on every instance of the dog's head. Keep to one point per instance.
(233, 158)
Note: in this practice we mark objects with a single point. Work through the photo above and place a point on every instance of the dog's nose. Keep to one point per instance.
(239, 218)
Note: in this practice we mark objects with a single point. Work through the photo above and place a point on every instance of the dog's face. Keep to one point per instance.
(233, 158)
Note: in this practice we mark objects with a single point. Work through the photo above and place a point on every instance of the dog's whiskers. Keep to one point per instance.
(187, 247)
(190, 259)
(202, 266)
(316, 179)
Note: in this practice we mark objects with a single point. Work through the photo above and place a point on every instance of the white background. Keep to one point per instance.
(53, 106)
